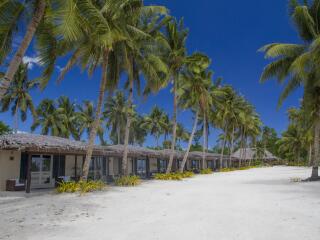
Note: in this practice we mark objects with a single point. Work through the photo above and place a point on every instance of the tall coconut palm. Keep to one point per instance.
(292, 141)
(182, 134)
(176, 35)
(141, 56)
(116, 115)
(68, 109)
(299, 62)
(86, 116)
(12, 15)
(226, 115)
(215, 103)
(194, 92)
(155, 124)
(51, 121)
(100, 26)
(18, 96)
(4, 129)
(138, 133)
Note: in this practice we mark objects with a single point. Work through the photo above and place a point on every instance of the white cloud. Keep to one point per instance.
(59, 68)
(32, 61)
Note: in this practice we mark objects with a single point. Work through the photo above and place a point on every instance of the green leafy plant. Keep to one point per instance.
(81, 186)
(128, 181)
(206, 171)
(174, 176)
(169, 176)
(187, 174)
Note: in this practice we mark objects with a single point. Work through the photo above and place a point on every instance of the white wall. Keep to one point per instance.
(9, 166)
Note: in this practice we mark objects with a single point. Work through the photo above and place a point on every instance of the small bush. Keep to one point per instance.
(187, 174)
(173, 176)
(227, 169)
(169, 176)
(128, 181)
(81, 186)
(206, 171)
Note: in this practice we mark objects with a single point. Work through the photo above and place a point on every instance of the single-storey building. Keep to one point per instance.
(252, 154)
(45, 159)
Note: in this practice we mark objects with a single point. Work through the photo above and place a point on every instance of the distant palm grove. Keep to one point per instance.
(125, 39)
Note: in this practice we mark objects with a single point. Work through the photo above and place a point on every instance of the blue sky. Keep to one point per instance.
(230, 32)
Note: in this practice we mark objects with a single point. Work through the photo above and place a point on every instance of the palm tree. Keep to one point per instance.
(155, 124)
(116, 115)
(299, 62)
(137, 132)
(68, 110)
(86, 116)
(50, 120)
(291, 142)
(226, 115)
(141, 56)
(175, 35)
(182, 134)
(4, 129)
(100, 26)
(12, 14)
(18, 96)
(194, 92)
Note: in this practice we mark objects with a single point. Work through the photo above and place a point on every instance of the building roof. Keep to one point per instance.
(250, 154)
(36, 142)
(40, 143)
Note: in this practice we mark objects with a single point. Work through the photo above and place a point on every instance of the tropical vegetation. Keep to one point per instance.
(137, 50)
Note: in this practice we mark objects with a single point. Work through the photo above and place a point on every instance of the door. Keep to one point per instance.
(210, 164)
(41, 171)
(142, 167)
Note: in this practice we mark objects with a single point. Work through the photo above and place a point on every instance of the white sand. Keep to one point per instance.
(258, 204)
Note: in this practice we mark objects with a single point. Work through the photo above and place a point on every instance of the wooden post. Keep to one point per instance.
(75, 166)
(28, 187)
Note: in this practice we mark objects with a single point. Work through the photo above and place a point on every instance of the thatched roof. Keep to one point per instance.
(251, 154)
(40, 143)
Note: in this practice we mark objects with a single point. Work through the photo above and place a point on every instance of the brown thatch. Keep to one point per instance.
(251, 154)
(40, 143)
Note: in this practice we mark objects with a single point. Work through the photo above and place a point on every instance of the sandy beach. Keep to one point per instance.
(257, 204)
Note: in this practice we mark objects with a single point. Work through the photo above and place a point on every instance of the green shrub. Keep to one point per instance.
(227, 169)
(81, 186)
(206, 171)
(169, 176)
(128, 181)
(173, 176)
(187, 174)
(91, 186)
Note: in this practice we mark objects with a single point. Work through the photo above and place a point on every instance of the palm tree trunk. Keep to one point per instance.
(174, 128)
(315, 166)
(16, 117)
(190, 142)
(223, 145)
(310, 156)
(204, 148)
(95, 124)
(17, 59)
(118, 133)
(127, 132)
(232, 145)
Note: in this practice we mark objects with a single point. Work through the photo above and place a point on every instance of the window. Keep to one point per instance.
(162, 165)
(194, 164)
(141, 167)
(96, 170)
(210, 164)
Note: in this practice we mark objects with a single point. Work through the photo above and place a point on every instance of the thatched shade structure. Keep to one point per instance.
(27, 142)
